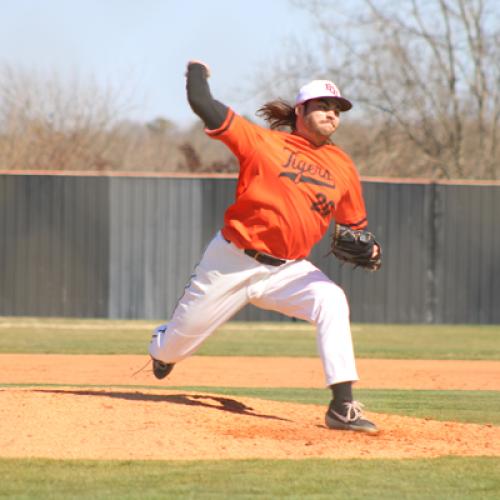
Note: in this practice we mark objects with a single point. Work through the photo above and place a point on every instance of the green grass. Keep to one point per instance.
(441, 478)
(428, 341)
(73, 336)
(70, 336)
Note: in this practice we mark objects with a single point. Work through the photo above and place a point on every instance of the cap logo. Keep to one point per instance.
(332, 89)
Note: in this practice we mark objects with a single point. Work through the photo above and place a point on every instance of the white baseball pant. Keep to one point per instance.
(226, 279)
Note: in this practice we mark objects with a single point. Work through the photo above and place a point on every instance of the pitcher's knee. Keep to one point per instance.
(340, 299)
(332, 302)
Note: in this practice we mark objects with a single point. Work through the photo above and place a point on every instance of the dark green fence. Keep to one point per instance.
(123, 247)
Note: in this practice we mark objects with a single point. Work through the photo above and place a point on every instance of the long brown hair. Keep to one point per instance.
(278, 114)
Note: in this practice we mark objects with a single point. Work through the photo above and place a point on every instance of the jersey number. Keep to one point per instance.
(322, 205)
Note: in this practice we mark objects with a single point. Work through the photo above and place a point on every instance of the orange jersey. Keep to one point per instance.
(288, 189)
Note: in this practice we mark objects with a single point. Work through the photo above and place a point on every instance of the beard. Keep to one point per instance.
(319, 124)
(324, 128)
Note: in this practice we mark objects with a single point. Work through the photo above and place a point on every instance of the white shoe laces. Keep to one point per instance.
(354, 412)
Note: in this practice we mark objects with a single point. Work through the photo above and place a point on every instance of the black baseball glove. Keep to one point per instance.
(355, 246)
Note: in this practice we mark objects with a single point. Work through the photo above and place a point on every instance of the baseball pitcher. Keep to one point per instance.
(293, 182)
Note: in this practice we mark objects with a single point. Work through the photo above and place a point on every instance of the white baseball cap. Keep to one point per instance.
(322, 88)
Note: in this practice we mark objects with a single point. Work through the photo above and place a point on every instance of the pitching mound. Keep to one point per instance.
(89, 423)
(81, 421)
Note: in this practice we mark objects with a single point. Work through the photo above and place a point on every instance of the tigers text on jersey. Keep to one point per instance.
(288, 189)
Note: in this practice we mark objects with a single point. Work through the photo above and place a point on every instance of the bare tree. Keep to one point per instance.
(48, 123)
(426, 75)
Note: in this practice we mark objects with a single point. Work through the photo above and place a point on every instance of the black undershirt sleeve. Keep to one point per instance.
(212, 112)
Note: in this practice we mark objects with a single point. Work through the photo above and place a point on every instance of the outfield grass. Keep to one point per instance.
(69, 336)
(441, 478)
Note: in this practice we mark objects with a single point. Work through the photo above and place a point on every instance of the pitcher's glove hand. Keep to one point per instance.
(356, 247)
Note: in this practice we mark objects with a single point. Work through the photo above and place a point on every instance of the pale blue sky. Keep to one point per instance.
(142, 46)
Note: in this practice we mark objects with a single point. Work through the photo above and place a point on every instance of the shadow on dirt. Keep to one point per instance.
(203, 400)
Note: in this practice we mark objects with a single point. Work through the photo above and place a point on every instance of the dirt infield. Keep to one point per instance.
(76, 419)
(245, 372)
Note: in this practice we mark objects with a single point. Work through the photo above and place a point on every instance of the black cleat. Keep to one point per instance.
(161, 369)
(352, 420)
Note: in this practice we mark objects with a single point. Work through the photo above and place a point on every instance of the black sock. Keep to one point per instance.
(342, 393)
